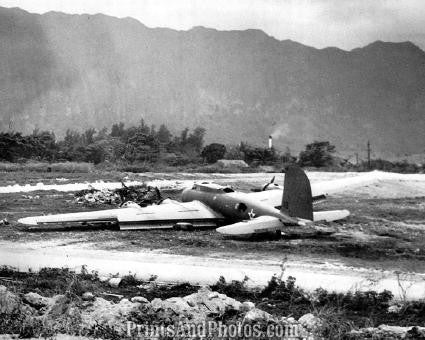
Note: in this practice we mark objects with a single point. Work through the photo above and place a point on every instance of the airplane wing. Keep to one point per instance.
(258, 225)
(267, 224)
(161, 216)
(330, 215)
(319, 190)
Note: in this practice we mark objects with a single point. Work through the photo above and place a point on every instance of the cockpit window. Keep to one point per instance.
(228, 190)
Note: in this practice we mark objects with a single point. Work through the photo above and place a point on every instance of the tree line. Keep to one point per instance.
(133, 144)
(148, 144)
(141, 143)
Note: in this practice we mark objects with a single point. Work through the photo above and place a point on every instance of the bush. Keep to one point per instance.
(317, 154)
(213, 152)
(235, 289)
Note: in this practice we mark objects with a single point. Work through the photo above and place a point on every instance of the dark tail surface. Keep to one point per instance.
(297, 200)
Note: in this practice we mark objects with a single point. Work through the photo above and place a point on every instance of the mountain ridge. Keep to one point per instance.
(77, 70)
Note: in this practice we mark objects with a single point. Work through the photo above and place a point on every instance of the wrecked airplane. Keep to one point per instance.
(208, 205)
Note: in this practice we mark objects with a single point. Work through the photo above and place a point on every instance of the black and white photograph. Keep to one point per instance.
(212, 169)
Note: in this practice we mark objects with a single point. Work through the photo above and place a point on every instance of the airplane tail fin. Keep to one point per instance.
(297, 200)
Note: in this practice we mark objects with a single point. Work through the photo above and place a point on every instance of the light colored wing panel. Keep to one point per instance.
(88, 216)
(330, 215)
(262, 224)
(160, 216)
(166, 215)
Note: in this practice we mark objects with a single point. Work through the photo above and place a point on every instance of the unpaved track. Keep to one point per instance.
(206, 270)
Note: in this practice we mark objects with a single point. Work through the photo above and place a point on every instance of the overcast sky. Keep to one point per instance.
(343, 23)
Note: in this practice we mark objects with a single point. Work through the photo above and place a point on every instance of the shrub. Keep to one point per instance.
(213, 152)
(235, 289)
(317, 154)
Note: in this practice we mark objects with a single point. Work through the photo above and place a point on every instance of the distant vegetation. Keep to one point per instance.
(135, 148)
(147, 148)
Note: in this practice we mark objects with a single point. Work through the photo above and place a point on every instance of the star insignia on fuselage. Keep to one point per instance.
(251, 214)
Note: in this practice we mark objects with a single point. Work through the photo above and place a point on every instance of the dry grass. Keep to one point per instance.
(63, 167)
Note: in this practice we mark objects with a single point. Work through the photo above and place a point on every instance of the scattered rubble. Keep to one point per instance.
(36, 300)
(93, 315)
(139, 299)
(389, 332)
(310, 322)
(258, 315)
(140, 194)
(104, 313)
(247, 306)
(94, 196)
(88, 296)
(9, 302)
(114, 281)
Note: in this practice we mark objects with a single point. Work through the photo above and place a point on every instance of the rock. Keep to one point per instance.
(9, 302)
(213, 295)
(247, 306)
(258, 315)
(174, 305)
(180, 303)
(211, 302)
(60, 314)
(139, 299)
(389, 332)
(36, 300)
(115, 282)
(58, 306)
(196, 307)
(106, 313)
(149, 287)
(310, 322)
(88, 296)
(393, 330)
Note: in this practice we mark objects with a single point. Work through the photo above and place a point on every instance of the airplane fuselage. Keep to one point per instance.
(232, 205)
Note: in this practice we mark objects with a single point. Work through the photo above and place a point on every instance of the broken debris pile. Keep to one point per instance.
(141, 194)
(94, 316)
(94, 196)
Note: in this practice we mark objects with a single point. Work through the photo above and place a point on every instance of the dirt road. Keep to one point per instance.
(207, 270)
